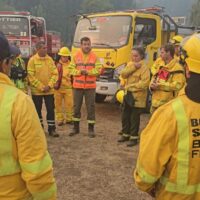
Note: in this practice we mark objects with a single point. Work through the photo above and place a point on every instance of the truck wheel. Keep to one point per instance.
(100, 98)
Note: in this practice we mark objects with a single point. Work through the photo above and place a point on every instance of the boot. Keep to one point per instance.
(53, 133)
(76, 129)
(123, 139)
(132, 142)
(120, 133)
(70, 123)
(91, 132)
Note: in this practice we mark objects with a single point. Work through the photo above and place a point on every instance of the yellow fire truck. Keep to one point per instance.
(114, 34)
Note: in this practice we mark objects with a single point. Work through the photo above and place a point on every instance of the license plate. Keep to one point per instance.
(103, 88)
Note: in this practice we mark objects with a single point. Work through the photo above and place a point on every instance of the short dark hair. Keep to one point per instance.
(170, 48)
(85, 39)
(39, 45)
(140, 50)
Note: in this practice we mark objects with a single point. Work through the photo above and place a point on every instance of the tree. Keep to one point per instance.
(195, 14)
(91, 6)
(126, 4)
(5, 6)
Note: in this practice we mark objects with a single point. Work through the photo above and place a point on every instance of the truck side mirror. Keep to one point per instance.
(40, 31)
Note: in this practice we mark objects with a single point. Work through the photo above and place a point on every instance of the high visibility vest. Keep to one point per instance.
(8, 164)
(85, 81)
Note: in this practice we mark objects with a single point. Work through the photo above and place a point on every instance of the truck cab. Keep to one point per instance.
(23, 30)
(114, 34)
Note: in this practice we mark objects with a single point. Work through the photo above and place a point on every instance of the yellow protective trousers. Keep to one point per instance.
(64, 105)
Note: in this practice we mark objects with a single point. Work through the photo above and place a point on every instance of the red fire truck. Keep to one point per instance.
(53, 43)
(23, 30)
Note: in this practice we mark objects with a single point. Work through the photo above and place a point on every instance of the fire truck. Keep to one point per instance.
(23, 30)
(115, 33)
(53, 43)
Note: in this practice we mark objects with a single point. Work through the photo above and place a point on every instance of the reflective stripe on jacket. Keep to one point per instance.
(169, 156)
(85, 81)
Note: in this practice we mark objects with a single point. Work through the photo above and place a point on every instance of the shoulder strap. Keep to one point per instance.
(177, 72)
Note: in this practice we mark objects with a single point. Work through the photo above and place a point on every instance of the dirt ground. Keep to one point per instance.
(99, 168)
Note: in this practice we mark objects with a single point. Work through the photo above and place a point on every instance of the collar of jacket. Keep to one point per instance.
(85, 55)
(64, 63)
(5, 79)
(41, 58)
(172, 65)
(142, 62)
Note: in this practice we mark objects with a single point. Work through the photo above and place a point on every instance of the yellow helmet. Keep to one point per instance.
(190, 53)
(176, 40)
(120, 96)
(64, 51)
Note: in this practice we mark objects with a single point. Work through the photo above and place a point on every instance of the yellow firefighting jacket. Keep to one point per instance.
(41, 72)
(137, 82)
(25, 165)
(168, 89)
(159, 62)
(66, 82)
(169, 156)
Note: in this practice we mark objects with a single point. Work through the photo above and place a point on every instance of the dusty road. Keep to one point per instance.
(99, 168)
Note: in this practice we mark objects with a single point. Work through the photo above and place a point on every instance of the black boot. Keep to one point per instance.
(76, 129)
(132, 142)
(91, 132)
(53, 133)
(123, 139)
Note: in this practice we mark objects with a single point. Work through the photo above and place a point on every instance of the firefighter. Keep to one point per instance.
(169, 79)
(85, 67)
(137, 77)
(169, 157)
(159, 62)
(26, 167)
(18, 70)
(42, 75)
(63, 88)
(176, 40)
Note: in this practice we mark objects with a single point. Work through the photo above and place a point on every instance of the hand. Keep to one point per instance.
(84, 72)
(122, 87)
(46, 89)
(154, 86)
(137, 65)
(56, 86)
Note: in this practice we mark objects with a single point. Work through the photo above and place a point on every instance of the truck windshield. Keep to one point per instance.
(14, 26)
(105, 32)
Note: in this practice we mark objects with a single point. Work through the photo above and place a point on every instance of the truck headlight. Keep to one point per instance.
(118, 71)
